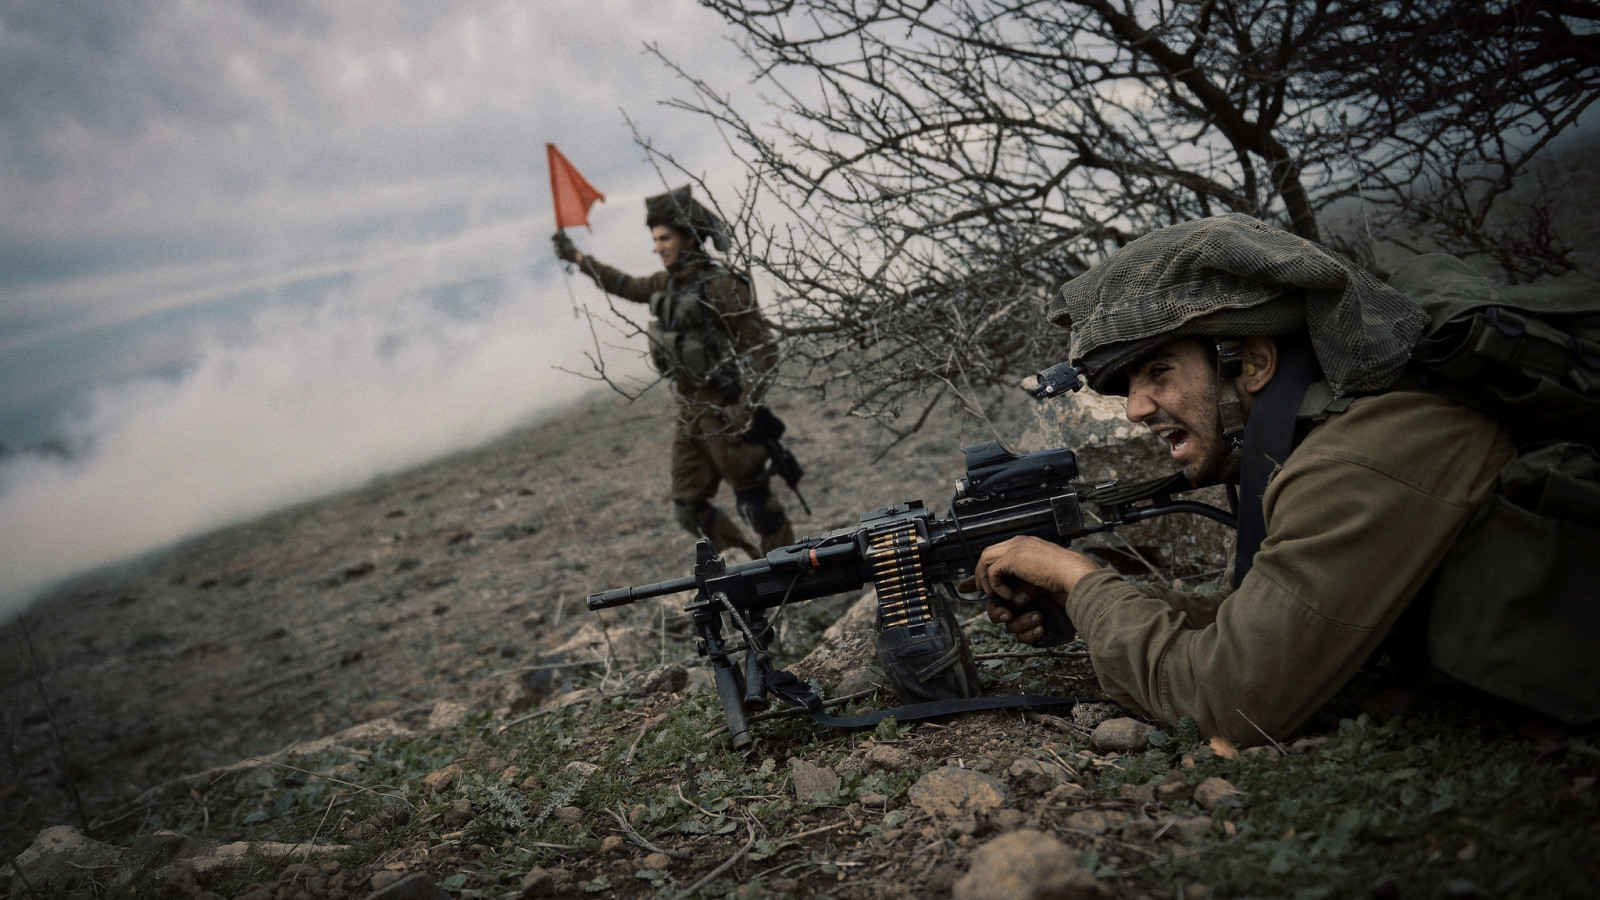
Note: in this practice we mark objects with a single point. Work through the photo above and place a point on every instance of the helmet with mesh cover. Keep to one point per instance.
(1235, 276)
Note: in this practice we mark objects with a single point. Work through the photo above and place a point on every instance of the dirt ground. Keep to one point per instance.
(418, 587)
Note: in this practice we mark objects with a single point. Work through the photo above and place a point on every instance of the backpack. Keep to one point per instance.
(1514, 609)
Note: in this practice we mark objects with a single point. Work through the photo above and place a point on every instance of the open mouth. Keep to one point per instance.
(1177, 441)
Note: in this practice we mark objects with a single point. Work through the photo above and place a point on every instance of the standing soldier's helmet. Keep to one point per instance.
(677, 209)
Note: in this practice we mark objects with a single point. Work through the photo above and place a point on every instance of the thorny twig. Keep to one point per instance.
(637, 839)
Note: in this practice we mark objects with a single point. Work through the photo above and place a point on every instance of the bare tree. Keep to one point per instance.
(926, 172)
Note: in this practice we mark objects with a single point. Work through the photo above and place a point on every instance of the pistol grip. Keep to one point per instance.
(1057, 627)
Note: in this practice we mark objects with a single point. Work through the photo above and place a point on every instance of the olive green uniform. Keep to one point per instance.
(714, 408)
(1358, 517)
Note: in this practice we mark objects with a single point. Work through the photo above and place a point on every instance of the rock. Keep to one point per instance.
(1098, 821)
(1187, 829)
(889, 758)
(440, 781)
(571, 815)
(446, 714)
(1309, 744)
(1263, 753)
(952, 792)
(1173, 789)
(658, 861)
(811, 780)
(663, 679)
(1142, 794)
(459, 814)
(411, 887)
(1067, 794)
(1025, 865)
(1215, 792)
(59, 859)
(1036, 776)
(1121, 736)
(538, 883)
(859, 680)
(1090, 715)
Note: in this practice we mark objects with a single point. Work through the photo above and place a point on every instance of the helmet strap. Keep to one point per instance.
(1230, 406)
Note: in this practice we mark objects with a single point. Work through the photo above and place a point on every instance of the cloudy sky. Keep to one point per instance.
(259, 250)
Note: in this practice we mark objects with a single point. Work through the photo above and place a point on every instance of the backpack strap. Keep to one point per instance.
(1269, 438)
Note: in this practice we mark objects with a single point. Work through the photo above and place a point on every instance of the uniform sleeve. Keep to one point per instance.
(619, 283)
(1357, 519)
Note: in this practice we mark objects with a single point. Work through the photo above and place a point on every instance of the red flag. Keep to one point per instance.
(572, 194)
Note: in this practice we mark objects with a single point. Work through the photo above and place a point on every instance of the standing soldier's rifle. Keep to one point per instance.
(906, 552)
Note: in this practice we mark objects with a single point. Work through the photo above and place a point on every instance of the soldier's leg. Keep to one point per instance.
(744, 466)
(694, 482)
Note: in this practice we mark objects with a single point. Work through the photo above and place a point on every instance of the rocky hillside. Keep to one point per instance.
(400, 692)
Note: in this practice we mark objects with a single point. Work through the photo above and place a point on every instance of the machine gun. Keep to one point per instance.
(905, 551)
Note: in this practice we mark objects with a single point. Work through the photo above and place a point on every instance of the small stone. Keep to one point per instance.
(1223, 747)
(440, 781)
(1123, 735)
(658, 861)
(446, 714)
(1173, 789)
(612, 843)
(569, 815)
(1141, 794)
(1035, 776)
(1097, 821)
(1215, 792)
(1026, 865)
(459, 813)
(1187, 829)
(381, 880)
(1067, 794)
(1263, 753)
(952, 791)
(811, 780)
(890, 758)
(538, 883)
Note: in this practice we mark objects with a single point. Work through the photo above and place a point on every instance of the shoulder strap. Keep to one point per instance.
(1269, 438)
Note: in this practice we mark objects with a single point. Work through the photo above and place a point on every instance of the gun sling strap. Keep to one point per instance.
(797, 693)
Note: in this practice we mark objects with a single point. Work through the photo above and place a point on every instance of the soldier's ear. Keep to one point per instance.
(1260, 356)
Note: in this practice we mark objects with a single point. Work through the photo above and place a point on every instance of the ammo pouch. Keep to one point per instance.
(929, 660)
(1515, 607)
(683, 342)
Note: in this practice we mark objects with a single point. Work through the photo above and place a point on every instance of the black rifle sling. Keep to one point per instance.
(1269, 437)
(796, 692)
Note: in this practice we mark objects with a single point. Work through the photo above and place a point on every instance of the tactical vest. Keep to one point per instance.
(689, 341)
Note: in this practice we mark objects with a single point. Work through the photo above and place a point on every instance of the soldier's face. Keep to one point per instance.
(1173, 392)
(670, 244)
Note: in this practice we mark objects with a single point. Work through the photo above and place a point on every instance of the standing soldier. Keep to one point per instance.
(706, 335)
